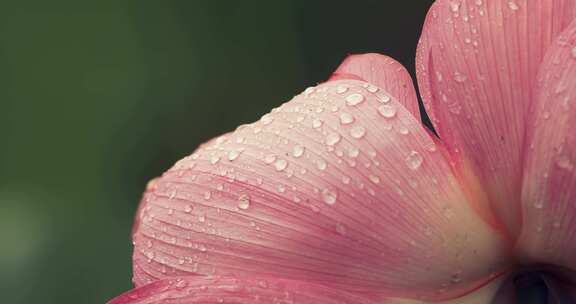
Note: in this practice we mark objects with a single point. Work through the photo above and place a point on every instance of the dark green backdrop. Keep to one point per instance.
(98, 97)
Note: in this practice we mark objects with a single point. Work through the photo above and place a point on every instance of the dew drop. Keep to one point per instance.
(354, 99)
(270, 158)
(454, 6)
(358, 132)
(384, 99)
(188, 208)
(329, 196)
(387, 111)
(513, 6)
(341, 89)
(244, 202)
(414, 160)
(232, 155)
(341, 229)
(280, 164)
(372, 89)
(214, 159)
(459, 77)
(321, 164)
(316, 123)
(353, 152)
(564, 163)
(346, 118)
(332, 139)
(375, 179)
(345, 180)
(298, 150)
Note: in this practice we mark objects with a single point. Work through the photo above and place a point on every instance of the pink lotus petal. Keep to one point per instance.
(549, 193)
(207, 290)
(339, 186)
(477, 63)
(384, 72)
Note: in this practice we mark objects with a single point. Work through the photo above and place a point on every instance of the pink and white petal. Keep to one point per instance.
(476, 65)
(339, 186)
(383, 72)
(208, 289)
(549, 192)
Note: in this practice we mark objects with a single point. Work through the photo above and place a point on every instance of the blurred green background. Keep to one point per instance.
(98, 97)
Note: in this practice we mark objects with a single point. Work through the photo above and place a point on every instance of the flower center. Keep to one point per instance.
(538, 284)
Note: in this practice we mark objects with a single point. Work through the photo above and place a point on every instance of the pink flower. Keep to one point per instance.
(342, 196)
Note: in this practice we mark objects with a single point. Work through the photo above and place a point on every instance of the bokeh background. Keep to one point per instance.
(98, 97)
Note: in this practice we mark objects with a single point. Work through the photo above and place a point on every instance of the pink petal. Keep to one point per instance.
(477, 62)
(549, 193)
(207, 290)
(384, 72)
(339, 186)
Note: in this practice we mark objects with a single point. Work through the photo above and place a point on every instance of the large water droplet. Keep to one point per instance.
(332, 139)
(329, 196)
(346, 118)
(414, 160)
(244, 201)
(280, 164)
(387, 111)
(298, 150)
(358, 132)
(354, 99)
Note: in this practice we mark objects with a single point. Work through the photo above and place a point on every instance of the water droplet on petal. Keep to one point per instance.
(341, 89)
(341, 229)
(375, 179)
(214, 159)
(564, 163)
(280, 164)
(346, 118)
(232, 155)
(298, 150)
(372, 89)
(354, 99)
(454, 6)
(321, 164)
(387, 111)
(358, 132)
(353, 152)
(267, 119)
(188, 208)
(414, 160)
(316, 123)
(384, 99)
(332, 139)
(244, 202)
(513, 6)
(459, 77)
(270, 158)
(329, 196)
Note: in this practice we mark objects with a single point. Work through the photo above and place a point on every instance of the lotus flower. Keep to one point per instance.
(341, 195)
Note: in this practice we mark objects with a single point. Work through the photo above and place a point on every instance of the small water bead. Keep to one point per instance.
(345, 179)
(375, 179)
(214, 159)
(232, 155)
(403, 130)
(244, 201)
(280, 164)
(414, 160)
(316, 123)
(332, 139)
(346, 118)
(513, 6)
(358, 132)
(459, 77)
(354, 99)
(341, 229)
(384, 98)
(454, 6)
(188, 208)
(372, 89)
(387, 111)
(353, 152)
(341, 89)
(329, 196)
(321, 165)
(202, 218)
(298, 150)
(564, 163)
(270, 158)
